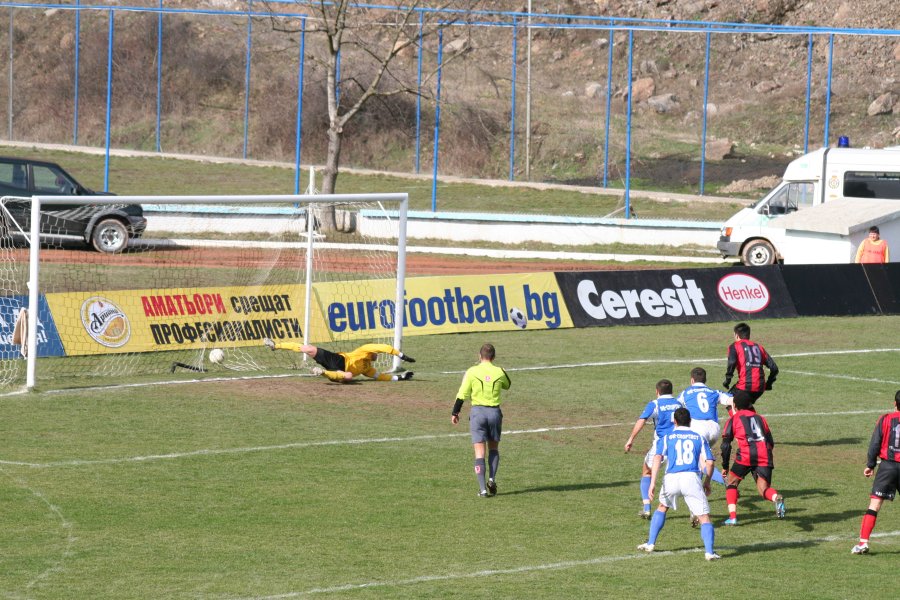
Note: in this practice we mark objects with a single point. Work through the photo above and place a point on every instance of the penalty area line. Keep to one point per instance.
(557, 566)
(363, 441)
(290, 446)
(677, 361)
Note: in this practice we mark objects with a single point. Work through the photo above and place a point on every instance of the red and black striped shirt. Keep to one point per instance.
(750, 431)
(749, 358)
(885, 443)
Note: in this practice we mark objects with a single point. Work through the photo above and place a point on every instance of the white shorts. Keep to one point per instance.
(708, 429)
(689, 487)
(648, 458)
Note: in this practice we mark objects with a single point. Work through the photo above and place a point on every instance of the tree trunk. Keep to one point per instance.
(326, 215)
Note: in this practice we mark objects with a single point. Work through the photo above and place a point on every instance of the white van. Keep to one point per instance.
(812, 179)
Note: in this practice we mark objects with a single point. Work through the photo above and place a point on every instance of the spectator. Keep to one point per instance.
(873, 249)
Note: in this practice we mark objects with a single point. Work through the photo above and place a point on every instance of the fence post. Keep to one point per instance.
(419, 92)
(77, 64)
(628, 127)
(705, 115)
(609, 67)
(300, 106)
(437, 120)
(159, 47)
(109, 84)
(828, 88)
(247, 76)
(512, 110)
(809, 59)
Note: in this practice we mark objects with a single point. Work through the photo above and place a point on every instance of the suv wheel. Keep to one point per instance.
(109, 236)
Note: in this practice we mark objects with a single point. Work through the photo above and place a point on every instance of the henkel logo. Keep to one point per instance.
(743, 293)
(683, 298)
(105, 322)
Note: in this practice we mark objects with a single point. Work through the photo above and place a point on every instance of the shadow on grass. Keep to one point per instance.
(854, 441)
(574, 487)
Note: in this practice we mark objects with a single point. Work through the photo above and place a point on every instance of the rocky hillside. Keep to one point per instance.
(756, 98)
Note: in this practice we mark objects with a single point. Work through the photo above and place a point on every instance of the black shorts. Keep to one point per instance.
(887, 480)
(329, 360)
(742, 470)
(751, 396)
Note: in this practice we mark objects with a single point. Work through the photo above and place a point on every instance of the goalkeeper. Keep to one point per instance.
(342, 367)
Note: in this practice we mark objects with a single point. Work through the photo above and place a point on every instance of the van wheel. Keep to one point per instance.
(758, 253)
(109, 236)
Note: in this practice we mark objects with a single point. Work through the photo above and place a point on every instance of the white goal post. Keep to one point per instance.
(207, 272)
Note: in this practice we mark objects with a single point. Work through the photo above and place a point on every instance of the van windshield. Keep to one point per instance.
(789, 197)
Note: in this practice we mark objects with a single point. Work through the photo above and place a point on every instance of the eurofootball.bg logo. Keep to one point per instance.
(105, 322)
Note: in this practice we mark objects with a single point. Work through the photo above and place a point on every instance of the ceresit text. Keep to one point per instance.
(684, 298)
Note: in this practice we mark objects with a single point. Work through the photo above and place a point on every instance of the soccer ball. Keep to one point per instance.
(518, 318)
(216, 355)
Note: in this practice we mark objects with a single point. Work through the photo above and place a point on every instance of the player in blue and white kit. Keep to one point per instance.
(687, 455)
(659, 412)
(703, 404)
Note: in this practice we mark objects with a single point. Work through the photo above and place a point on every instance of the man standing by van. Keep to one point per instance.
(873, 249)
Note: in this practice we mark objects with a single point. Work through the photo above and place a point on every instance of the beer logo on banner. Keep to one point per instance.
(743, 293)
(105, 322)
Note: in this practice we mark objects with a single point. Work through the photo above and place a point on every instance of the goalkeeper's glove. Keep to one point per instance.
(769, 385)
(406, 358)
(727, 383)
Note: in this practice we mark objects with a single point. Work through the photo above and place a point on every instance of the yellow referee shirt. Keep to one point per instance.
(483, 383)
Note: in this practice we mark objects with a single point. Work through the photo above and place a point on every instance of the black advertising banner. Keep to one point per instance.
(836, 290)
(885, 283)
(602, 298)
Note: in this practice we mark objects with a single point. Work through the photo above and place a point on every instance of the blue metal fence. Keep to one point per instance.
(603, 26)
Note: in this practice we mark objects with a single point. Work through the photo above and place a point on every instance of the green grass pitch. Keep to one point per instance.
(296, 487)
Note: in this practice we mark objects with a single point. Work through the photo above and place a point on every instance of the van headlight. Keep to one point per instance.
(726, 232)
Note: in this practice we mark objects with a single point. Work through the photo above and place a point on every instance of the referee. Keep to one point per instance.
(482, 385)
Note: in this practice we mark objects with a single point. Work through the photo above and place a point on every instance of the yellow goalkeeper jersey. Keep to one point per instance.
(359, 361)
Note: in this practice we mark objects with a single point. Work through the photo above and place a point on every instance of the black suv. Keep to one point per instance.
(107, 227)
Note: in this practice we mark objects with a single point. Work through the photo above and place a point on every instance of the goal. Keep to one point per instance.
(129, 289)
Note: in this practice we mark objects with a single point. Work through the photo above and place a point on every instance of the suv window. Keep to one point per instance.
(48, 180)
(13, 175)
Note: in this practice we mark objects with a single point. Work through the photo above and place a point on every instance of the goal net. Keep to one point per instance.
(133, 289)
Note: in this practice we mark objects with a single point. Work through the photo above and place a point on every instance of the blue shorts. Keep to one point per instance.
(485, 424)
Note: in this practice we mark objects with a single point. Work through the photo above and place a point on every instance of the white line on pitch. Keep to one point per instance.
(359, 441)
(569, 564)
(832, 376)
(645, 361)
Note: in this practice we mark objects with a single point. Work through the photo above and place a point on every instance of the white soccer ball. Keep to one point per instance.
(216, 355)
(518, 318)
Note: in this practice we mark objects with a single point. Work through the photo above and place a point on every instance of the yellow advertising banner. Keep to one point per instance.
(449, 304)
(104, 322)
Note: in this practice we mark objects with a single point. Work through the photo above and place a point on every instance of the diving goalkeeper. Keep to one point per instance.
(342, 367)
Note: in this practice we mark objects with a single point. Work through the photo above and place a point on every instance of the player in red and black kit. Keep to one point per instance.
(750, 432)
(885, 444)
(748, 358)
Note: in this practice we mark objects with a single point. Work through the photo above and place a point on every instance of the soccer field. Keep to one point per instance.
(297, 487)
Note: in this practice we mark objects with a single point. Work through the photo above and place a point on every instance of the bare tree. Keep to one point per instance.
(373, 38)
